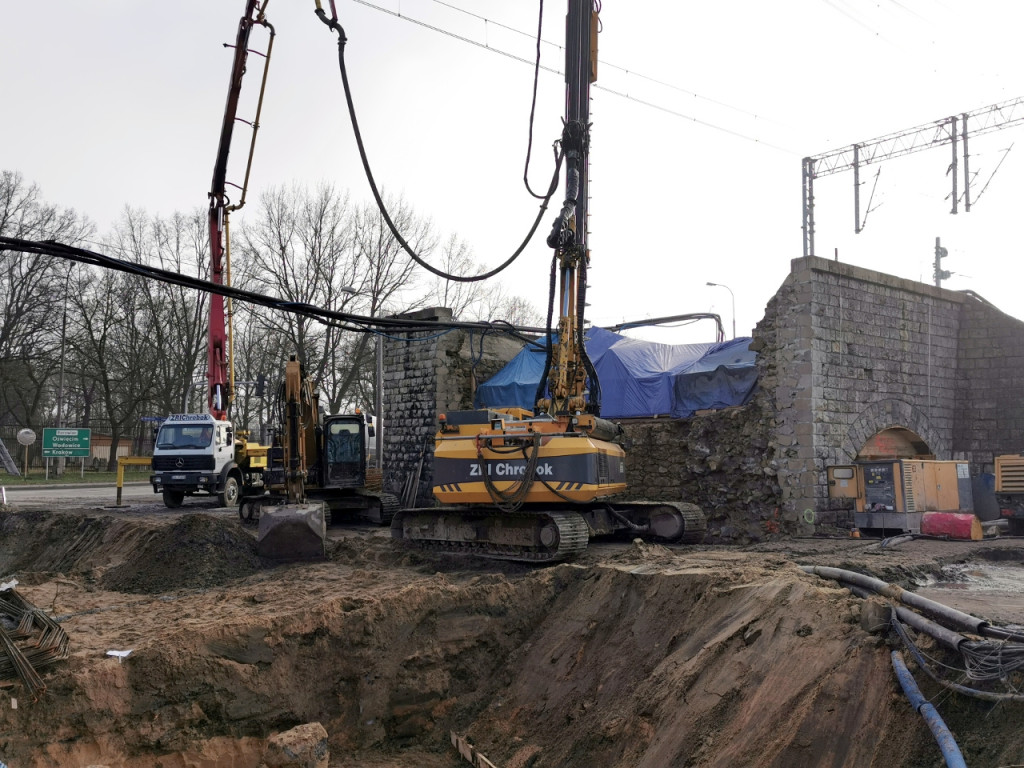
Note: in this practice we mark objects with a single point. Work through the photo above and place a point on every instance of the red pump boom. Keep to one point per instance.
(218, 372)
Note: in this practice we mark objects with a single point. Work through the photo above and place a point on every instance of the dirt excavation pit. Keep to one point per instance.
(635, 655)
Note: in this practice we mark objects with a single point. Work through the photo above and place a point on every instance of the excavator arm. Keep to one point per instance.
(301, 427)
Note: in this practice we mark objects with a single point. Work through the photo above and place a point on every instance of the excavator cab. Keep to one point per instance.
(344, 457)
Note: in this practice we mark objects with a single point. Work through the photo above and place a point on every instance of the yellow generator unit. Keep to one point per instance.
(892, 495)
(1009, 487)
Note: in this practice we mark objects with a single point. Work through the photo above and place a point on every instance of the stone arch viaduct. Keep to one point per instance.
(844, 354)
(847, 353)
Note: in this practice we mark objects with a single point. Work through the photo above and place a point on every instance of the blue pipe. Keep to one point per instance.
(947, 744)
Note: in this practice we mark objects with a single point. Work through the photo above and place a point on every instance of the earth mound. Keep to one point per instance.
(637, 656)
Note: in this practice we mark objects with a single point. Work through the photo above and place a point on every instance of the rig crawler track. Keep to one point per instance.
(530, 537)
(546, 536)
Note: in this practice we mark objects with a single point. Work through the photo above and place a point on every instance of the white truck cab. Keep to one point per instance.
(195, 454)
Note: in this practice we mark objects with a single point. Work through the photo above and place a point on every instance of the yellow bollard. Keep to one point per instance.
(125, 461)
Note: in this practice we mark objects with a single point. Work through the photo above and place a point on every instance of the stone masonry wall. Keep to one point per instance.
(857, 352)
(426, 374)
(843, 353)
(722, 461)
(989, 408)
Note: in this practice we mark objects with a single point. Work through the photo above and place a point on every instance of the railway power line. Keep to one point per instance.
(953, 130)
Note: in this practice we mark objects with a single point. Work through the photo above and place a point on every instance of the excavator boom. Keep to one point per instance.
(294, 528)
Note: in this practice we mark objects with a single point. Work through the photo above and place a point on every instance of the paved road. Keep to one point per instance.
(98, 494)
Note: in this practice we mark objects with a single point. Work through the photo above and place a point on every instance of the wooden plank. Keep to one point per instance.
(469, 753)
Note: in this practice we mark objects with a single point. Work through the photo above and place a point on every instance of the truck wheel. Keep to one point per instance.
(173, 499)
(1015, 526)
(229, 496)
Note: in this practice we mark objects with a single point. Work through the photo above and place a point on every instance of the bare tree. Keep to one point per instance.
(388, 285)
(462, 298)
(497, 305)
(297, 250)
(114, 340)
(32, 292)
(484, 301)
(258, 354)
(176, 315)
(314, 247)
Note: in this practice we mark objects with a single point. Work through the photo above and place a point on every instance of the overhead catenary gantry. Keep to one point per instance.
(953, 130)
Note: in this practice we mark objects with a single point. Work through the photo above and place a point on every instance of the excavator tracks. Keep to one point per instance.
(537, 537)
(383, 512)
(372, 506)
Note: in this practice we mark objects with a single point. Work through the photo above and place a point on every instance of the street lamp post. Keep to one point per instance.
(719, 285)
(60, 386)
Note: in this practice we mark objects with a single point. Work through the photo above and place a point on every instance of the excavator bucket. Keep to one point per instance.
(292, 532)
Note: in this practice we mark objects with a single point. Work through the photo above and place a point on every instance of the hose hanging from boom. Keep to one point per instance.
(342, 39)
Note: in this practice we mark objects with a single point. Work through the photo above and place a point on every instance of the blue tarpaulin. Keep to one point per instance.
(639, 378)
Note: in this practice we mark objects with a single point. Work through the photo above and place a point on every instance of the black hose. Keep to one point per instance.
(342, 39)
(954, 618)
(947, 637)
(626, 521)
(550, 319)
(512, 499)
(974, 693)
(977, 655)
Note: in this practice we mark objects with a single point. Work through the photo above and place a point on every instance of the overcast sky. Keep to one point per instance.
(701, 115)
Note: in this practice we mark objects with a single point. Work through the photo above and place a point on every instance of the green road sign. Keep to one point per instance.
(66, 441)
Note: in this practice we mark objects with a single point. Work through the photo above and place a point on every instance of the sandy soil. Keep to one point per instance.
(633, 655)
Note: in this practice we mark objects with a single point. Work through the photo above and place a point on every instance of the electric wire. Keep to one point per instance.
(597, 86)
(696, 120)
(835, 6)
(342, 320)
(984, 660)
(972, 692)
(559, 46)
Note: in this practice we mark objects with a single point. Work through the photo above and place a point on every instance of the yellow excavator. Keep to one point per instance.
(317, 473)
(536, 486)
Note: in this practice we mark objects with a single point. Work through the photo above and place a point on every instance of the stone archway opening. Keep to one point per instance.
(894, 443)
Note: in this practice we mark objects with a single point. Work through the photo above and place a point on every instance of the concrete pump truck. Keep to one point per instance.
(203, 453)
(315, 471)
